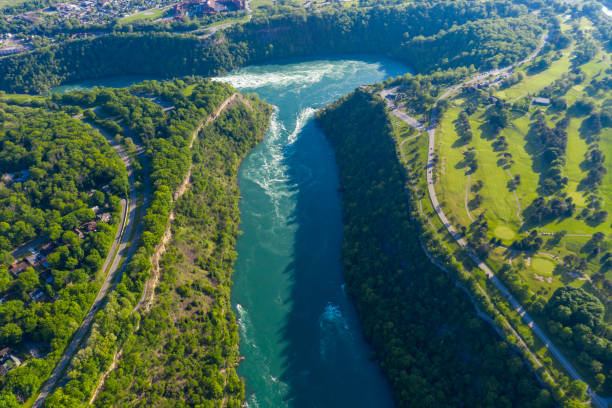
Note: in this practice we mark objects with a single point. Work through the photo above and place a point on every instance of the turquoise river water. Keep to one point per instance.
(300, 336)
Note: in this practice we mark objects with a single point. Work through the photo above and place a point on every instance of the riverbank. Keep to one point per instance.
(420, 324)
(300, 336)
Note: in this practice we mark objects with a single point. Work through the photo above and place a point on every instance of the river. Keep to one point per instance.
(300, 336)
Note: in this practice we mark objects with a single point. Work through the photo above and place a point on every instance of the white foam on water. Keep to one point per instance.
(251, 402)
(244, 324)
(271, 173)
(334, 329)
(300, 122)
(291, 74)
(606, 11)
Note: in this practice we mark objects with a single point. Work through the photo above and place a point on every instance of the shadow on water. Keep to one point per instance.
(327, 363)
(299, 334)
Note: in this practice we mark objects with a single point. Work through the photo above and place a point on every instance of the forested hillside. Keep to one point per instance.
(431, 31)
(59, 208)
(424, 330)
(187, 346)
(69, 167)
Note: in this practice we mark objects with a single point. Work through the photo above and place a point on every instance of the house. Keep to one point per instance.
(17, 268)
(90, 226)
(79, 233)
(7, 178)
(37, 295)
(95, 209)
(8, 360)
(35, 258)
(541, 101)
(104, 217)
(24, 175)
(47, 277)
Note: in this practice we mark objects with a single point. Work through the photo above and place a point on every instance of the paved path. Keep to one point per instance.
(120, 248)
(467, 194)
(148, 293)
(431, 132)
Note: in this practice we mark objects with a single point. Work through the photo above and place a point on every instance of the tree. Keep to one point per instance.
(27, 280)
(577, 389)
(10, 334)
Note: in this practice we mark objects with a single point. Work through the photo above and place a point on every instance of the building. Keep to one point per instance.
(8, 360)
(47, 277)
(17, 268)
(104, 217)
(37, 295)
(35, 258)
(195, 8)
(47, 248)
(541, 101)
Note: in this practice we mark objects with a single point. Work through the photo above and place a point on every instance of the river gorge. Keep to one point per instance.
(300, 336)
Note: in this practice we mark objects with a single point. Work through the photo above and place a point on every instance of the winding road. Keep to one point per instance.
(431, 132)
(120, 250)
(148, 293)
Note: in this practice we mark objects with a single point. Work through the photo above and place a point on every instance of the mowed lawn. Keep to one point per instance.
(452, 180)
(538, 81)
(10, 3)
(499, 204)
(150, 14)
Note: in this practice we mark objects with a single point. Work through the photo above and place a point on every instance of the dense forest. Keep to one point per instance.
(81, 171)
(186, 349)
(429, 31)
(423, 329)
(167, 161)
(59, 206)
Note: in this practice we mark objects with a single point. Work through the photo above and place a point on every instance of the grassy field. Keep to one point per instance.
(414, 149)
(543, 271)
(259, 4)
(499, 205)
(539, 80)
(10, 3)
(150, 14)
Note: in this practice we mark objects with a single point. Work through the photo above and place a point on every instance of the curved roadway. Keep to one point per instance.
(120, 249)
(431, 132)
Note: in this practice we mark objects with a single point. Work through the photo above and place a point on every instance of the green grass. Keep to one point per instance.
(531, 83)
(11, 3)
(542, 265)
(150, 14)
(226, 21)
(541, 272)
(258, 4)
(452, 181)
(503, 232)
(499, 204)
(20, 98)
